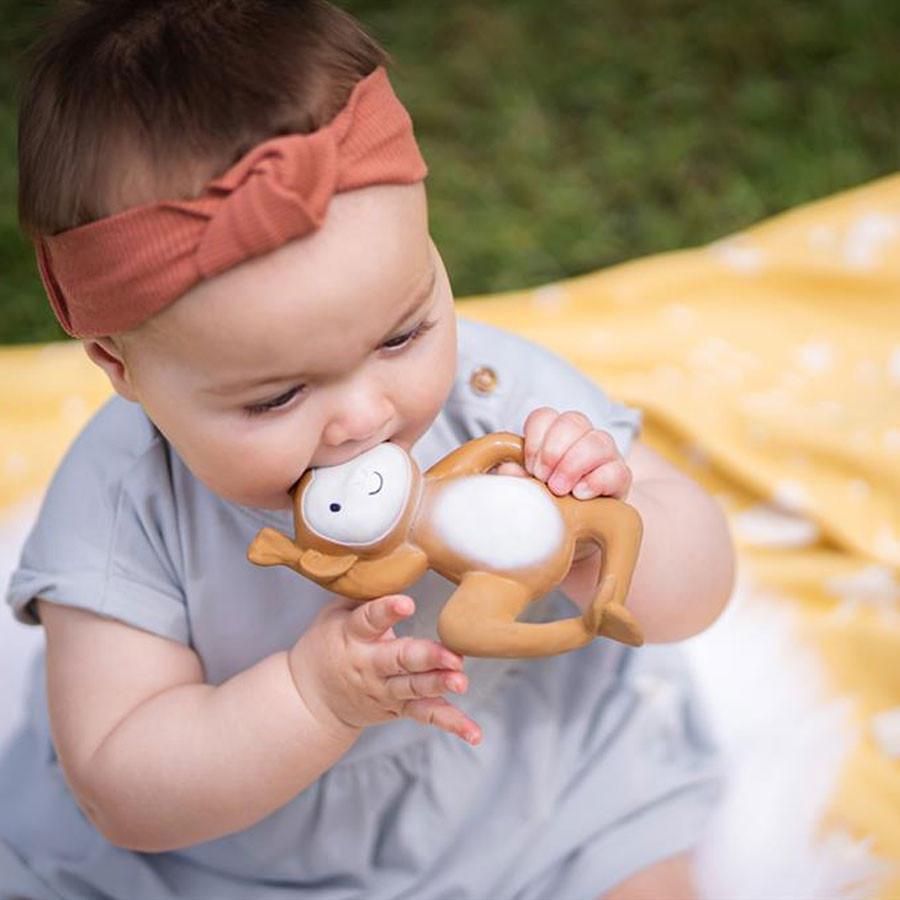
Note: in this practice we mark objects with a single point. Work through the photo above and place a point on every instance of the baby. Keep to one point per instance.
(228, 207)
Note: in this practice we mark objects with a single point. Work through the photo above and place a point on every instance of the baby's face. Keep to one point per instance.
(308, 355)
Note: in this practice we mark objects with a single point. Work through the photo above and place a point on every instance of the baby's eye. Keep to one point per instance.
(399, 341)
(395, 343)
(282, 400)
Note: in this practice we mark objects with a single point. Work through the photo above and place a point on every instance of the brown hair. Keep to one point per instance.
(130, 101)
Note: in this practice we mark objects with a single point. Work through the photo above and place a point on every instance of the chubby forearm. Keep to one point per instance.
(196, 762)
(684, 575)
(685, 571)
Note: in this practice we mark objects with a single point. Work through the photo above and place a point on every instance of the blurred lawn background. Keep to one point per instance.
(566, 136)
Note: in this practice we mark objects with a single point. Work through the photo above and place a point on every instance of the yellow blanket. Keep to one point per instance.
(767, 365)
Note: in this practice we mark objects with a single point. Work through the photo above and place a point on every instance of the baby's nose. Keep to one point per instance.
(338, 433)
(363, 418)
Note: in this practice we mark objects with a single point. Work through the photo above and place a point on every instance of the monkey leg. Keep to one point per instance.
(616, 527)
(479, 619)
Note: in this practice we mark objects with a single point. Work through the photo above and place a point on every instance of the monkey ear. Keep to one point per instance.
(272, 548)
(323, 566)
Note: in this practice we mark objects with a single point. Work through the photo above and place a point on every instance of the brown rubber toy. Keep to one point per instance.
(373, 525)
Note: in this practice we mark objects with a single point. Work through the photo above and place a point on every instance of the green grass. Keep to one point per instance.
(564, 137)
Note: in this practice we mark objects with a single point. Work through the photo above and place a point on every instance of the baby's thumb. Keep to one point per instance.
(370, 620)
(510, 468)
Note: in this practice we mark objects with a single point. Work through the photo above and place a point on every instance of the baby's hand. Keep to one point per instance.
(569, 454)
(351, 666)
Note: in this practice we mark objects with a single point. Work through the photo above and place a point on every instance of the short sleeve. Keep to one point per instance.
(106, 535)
(526, 376)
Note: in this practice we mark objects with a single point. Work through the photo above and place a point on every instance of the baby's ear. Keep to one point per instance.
(109, 356)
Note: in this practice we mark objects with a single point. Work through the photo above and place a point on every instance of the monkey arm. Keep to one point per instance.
(480, 455)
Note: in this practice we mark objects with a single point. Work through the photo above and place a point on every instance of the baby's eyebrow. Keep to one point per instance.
(420, 296)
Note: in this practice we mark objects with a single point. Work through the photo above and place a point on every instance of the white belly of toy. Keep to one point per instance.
(501, 521)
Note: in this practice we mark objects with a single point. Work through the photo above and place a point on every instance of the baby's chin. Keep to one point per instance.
(270, 501)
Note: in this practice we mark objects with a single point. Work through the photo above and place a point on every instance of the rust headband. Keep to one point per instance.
(113, 274)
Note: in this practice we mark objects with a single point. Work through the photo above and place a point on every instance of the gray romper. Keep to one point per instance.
(594, 764)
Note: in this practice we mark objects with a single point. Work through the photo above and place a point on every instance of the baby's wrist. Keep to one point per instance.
(313, 701)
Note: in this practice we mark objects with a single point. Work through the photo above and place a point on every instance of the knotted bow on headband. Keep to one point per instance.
(112, 274)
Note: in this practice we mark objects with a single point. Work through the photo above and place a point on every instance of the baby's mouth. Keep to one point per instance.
(293, 487)
(346, 457)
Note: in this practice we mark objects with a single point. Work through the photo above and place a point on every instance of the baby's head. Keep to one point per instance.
(306, 354)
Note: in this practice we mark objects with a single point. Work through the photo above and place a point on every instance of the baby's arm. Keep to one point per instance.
(685, 571)
(158, 760)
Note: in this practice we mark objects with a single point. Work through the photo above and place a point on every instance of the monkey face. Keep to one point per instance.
(360, 501)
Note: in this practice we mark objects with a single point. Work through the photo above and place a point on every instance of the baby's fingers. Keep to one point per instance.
(370, 620)
(405, 656)
(425, 684)
(510, 468)
(438, 712)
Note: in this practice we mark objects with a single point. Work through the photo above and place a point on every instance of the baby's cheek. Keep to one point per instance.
(266, 467)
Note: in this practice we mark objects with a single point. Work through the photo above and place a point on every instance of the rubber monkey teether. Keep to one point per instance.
(373, 525)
